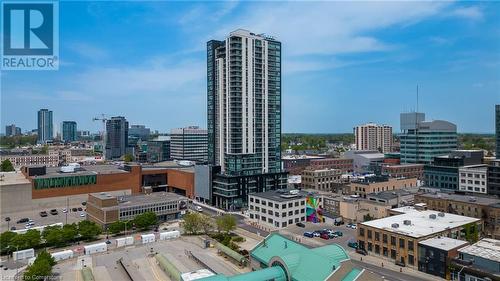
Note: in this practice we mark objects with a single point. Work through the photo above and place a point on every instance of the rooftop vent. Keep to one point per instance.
(407, 222)
(472, 199)
(432, 216)
(395, 225)
(441, 214)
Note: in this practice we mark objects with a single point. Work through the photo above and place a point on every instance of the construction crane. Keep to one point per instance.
(103, 119)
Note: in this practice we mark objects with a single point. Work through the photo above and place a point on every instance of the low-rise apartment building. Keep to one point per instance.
(396, 237)
(435, 255)
(321, 179)
(481, 207)
(473, 179)
(51, 159)
(104, 209)
(477, 262)
(277, 208)
(380, 183)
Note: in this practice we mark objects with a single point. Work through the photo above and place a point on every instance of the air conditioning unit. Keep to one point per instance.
(441, 214)
(395, 225)
(432, 216)
(407, 222)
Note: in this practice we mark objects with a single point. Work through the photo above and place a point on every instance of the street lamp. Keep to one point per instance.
(7, 219)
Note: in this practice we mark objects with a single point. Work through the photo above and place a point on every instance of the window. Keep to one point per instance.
(276, 206)
(401, 243)
(283, 206)
(370, 246)
(384, 252)
(270, 204)
(384, 238)
(377, 249)
(251, 199)
(361, 231)
(393, 254)
(369, 234)
(393, 241)
(377, 236)
(410, 245)
(411, 260)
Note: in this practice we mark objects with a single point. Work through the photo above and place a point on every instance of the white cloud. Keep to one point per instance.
(470, 13)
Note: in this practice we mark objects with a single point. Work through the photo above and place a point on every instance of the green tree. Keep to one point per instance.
(128, 157)
(88, 230)
(226, 223)
(41, 268)
(367, 217)
(6, 240)
(69, 232)
(116, 227)
(192, 222)
(206, 224)
(145, 220)
(53, 236)
(7, 166)
(44, 255)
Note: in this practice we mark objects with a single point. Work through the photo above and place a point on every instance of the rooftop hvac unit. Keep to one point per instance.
(441, 214)
(432, 216)
(395, 225)
(472, 199)
(407, 222)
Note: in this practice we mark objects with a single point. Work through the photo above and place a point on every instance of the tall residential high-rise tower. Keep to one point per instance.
(373, 137)
(45, 126)
(116, 138)
(68, 129)
(244, 116)
(421, 140)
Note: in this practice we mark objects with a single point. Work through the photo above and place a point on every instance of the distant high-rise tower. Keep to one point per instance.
(373, 137)
(12, 130)
(45, 126)
(244, 116)
(497, 129)
(421, 140)
(116, 137)
(68, 131)
(189, 143)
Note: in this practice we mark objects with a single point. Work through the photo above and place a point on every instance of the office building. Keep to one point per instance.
(497, 130)
(421, 140)
(443, 173)
(394, 199)
(277, 208)
(380, 183)
(116, 138)
(139, 131)
(481, 207)
(244, 116)
(12, 130)
(158, 149)
(494, 178)
(473, 179)
(477, 262)
(69, 131)
(345, 165)
(105, 209)
(396, 237)
(321, 179)
(371, 136)
(435, 255)
(188, 143)
(45, 126)
(364, 160)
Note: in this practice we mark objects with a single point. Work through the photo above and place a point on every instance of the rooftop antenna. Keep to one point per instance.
(416, 133)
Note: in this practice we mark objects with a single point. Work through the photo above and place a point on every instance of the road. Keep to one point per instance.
(387, 273)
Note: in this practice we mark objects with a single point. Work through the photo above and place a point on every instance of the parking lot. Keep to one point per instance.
(349, 234)
(69, 217)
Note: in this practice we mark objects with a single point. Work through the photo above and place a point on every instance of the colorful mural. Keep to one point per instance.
(313, 210)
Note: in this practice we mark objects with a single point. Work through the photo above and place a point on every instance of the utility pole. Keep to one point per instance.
(103, 136)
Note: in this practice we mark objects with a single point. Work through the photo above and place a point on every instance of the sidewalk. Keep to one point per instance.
(387, 264)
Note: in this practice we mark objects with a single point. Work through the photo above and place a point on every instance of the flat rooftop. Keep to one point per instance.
(299, 157)
(388, 195)
(83, 171)
(421, 224)
(140, 200)
(486, 248)
(479, 200)
(443, 243)
(281, 195)
(11, 178)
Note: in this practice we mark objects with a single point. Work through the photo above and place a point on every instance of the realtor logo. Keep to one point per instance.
(30, 35)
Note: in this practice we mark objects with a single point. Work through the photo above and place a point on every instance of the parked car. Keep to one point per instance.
(198, 208)
(54, 212)
(299, 224)
(74, 209)
(324, 236)
(338, 233)
(43, 214)
(64, 210)
(352, 244)
(23, 220)
(13, 228)
(84, 203)
(332, 235)
(316, 234)
(308, 234)
(82, 214)
(80, 209)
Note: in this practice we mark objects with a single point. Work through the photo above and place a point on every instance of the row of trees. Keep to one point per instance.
(41, 269)
(51, 236)
(6, 166)
(195, 223)
(14, 141)
(142, 221)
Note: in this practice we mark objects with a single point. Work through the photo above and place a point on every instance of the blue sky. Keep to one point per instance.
(343, 63)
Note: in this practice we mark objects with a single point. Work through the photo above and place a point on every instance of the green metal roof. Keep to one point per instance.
(303, 263)
(275, 273)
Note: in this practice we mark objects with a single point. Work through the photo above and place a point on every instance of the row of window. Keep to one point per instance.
(374, 235)
(276, 205)
(277, 214)
(276, 223)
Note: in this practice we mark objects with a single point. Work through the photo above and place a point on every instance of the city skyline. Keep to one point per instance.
(363, 65)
